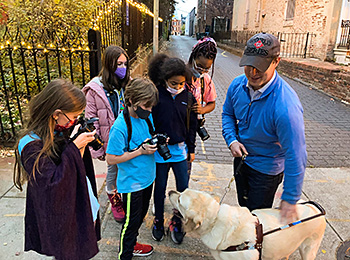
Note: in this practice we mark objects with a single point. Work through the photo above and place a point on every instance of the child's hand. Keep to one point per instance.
(198, 109)
(83, 139)
(148, 148)
(190, 157)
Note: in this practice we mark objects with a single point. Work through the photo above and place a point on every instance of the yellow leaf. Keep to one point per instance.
(323, 251)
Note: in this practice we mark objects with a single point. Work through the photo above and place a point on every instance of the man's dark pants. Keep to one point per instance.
(255, 190)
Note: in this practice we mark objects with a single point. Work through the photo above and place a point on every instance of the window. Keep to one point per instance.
(290, 10)
(246, 15)
(258, 12)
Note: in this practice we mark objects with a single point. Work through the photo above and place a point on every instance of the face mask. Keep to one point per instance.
(195, 73)
(69, 124)
(142, 113)
(174, 91)
(120, 72)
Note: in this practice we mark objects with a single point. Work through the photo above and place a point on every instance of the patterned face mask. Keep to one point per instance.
(69, 124)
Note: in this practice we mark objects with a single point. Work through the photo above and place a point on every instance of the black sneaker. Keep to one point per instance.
(158, 230)
(176, 233)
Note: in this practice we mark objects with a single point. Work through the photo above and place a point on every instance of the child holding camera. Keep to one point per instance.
(129, 148)
(174, 117)
(201, 60)
(61, 204)
(105, 100)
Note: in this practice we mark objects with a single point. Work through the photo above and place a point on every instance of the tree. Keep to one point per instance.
(166, 8)
(222, 8)
(3, 13)
(50, 16)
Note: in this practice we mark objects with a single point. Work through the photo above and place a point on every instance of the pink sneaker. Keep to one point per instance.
(116, 206)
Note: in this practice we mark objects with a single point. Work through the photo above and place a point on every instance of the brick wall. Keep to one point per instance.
(327, 77)
(316, 16)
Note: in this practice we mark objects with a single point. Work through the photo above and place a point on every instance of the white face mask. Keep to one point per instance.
(174, 91)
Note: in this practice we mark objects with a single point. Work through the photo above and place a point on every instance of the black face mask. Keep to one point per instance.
(142, 113)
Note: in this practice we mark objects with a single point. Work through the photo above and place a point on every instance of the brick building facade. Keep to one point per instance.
(176, 27)
(214, 15)
(321, 18)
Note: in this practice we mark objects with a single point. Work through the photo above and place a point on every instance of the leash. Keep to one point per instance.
(228, 188)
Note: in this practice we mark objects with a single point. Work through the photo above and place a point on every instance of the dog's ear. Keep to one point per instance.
(192, 221)
(197, 218)
(197, 221)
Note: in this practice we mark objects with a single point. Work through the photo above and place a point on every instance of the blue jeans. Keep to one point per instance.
(181, 178)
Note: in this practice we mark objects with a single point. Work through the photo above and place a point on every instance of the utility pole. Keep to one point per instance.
(155, 26)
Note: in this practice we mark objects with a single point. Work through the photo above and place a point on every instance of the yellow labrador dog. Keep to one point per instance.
(222, 226)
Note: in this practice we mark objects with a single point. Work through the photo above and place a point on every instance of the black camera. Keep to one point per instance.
(202, 132)
(87, 125)
(161, 141)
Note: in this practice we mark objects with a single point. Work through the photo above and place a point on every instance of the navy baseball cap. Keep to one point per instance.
(260, 50)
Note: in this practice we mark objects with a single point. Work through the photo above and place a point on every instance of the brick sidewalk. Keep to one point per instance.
(327, 121)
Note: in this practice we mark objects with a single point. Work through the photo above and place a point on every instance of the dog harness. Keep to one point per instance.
(260, 235)
(247, 245)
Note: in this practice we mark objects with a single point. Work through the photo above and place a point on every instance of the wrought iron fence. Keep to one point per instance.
(125, 23)
(240, 38)
(292, 44)
(345, 35)
(30, 59)
(221, 36)
(296, 44)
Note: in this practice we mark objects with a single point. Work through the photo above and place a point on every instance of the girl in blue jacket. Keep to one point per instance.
(174, 117)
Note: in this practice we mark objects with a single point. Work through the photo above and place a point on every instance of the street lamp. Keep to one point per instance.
(155, 26)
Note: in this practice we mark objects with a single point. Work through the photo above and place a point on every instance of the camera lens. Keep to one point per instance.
(203, 133)
(163, 151)
(97, 143)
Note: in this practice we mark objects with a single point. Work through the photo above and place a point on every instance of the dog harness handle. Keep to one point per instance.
(260, 235)
(318, 206)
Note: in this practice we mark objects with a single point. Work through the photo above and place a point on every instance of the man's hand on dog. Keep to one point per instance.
(288, 212)
(237, 149)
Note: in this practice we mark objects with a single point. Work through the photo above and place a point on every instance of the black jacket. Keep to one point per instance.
(170, 117)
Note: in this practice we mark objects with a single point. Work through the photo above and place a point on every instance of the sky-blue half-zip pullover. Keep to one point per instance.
(272, 130)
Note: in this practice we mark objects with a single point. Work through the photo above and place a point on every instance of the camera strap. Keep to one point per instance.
(202, 92)
(189, 106)
(129, 126)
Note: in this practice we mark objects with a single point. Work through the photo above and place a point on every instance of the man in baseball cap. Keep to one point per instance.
(260, 51)
(262, 119)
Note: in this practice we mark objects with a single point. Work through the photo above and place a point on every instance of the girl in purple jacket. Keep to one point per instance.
(105, 100)
(61, 204)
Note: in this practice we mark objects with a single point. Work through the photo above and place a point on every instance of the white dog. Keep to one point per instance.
(222, 226)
